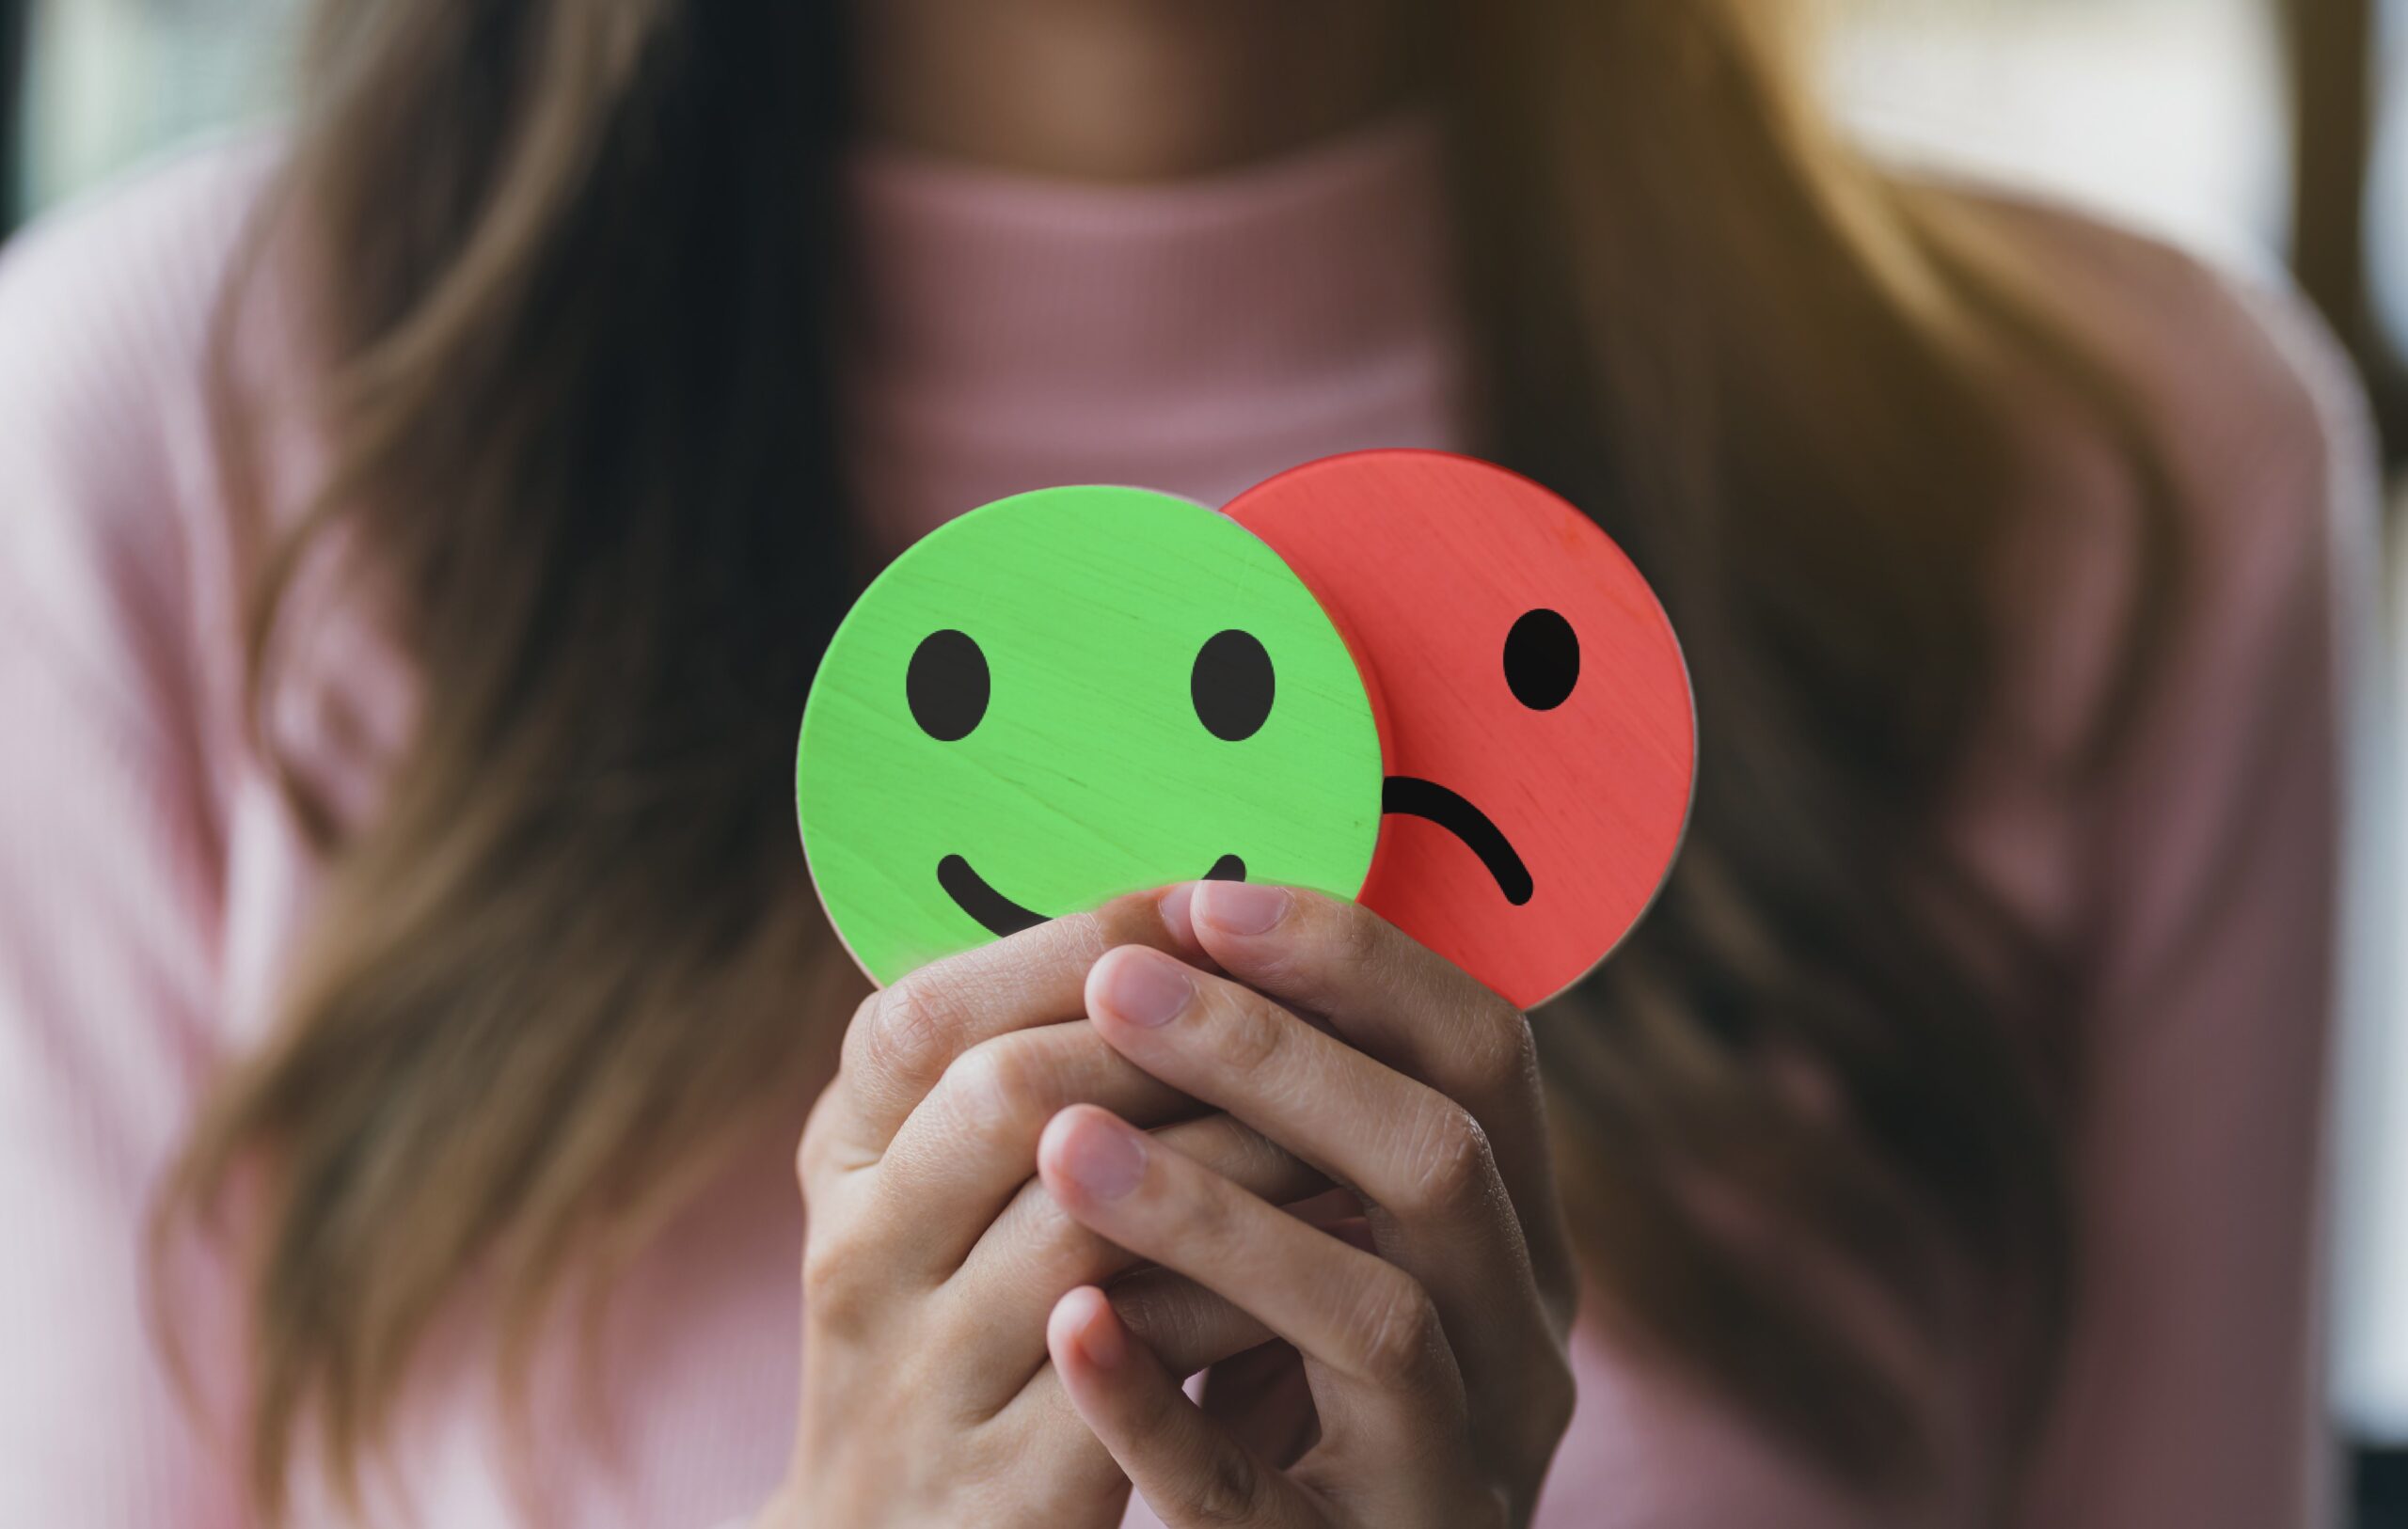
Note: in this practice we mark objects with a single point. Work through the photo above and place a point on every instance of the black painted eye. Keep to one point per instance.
(948, 685)
(1232, 685)
(1542, 660)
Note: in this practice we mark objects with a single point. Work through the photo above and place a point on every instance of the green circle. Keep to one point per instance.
(1088, 772)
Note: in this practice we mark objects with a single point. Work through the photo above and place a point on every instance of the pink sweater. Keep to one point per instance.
(1195, 338)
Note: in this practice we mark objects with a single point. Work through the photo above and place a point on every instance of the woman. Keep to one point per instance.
(421, 531)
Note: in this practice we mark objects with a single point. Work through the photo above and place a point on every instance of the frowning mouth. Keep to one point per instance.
(1000, 915)
(1403, 795)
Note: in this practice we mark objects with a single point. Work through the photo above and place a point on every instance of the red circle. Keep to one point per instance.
(1426, 560)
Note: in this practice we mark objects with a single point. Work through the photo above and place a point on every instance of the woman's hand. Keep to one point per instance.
(1437, 1363)
(932, 1257)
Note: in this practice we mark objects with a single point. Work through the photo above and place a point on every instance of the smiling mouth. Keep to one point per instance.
(1000, 915)
(1403, 795)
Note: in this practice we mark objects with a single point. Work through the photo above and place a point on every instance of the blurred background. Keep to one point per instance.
(2268, 135)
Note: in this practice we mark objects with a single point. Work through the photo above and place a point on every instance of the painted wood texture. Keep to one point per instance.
(1068, 695)
(1540, 731)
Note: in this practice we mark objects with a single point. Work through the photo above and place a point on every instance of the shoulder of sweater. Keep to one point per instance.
(2251, 401)
(106, 303)
(2264, 447)
(112, 542)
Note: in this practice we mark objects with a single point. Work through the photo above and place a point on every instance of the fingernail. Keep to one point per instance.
(1145, 987)
(1106, 1158)
(1241, 907)
(1100, 1339)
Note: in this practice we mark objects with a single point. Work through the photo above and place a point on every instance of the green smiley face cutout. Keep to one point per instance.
(1069, 695)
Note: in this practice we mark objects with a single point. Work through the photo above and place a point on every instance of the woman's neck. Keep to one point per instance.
(1126, 89)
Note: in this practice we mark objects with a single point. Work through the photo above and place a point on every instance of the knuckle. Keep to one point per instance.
(1188, 1209)
(1084, 937)
(867, 1007)
(1237, 1152)
(834, 1291)
(1065, 1251)
(903, 1033)
(1261, 1166)
(1198, 1216)
(995, 1088)
(930, 1368)
(1451, 1164)
(1489, 1508)
(1323, 942)
(1249, 1035)
(1131, 919)
(1399, 1336)
(820, 1151)
(1048, 1240)
(1227, 1489)
(1170, 1317)
(1358, 937)
(1523, 1436)
(824, 1275)
(855, 1051)
(808, 1150)
(1556, 1393)
(1501, 1048)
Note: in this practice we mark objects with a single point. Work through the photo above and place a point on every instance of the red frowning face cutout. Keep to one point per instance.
(1536, 711)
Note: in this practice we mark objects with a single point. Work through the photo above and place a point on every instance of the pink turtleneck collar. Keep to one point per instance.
(1196, 337)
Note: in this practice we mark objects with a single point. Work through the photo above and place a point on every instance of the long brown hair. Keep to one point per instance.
(572, 267)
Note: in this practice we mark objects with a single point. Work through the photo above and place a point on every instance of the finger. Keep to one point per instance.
(1036, 1249)
(971, 1145)
(1186, 1326)
(1382, 1369)
(1400, 1001)
(1189, 1328)
(1436, 1204)
(902, 1038)
(992, 1309)
(1189, 1468)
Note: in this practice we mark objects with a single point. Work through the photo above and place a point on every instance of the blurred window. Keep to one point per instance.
(2388, 206)
(112, 82)
(2168, 114)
